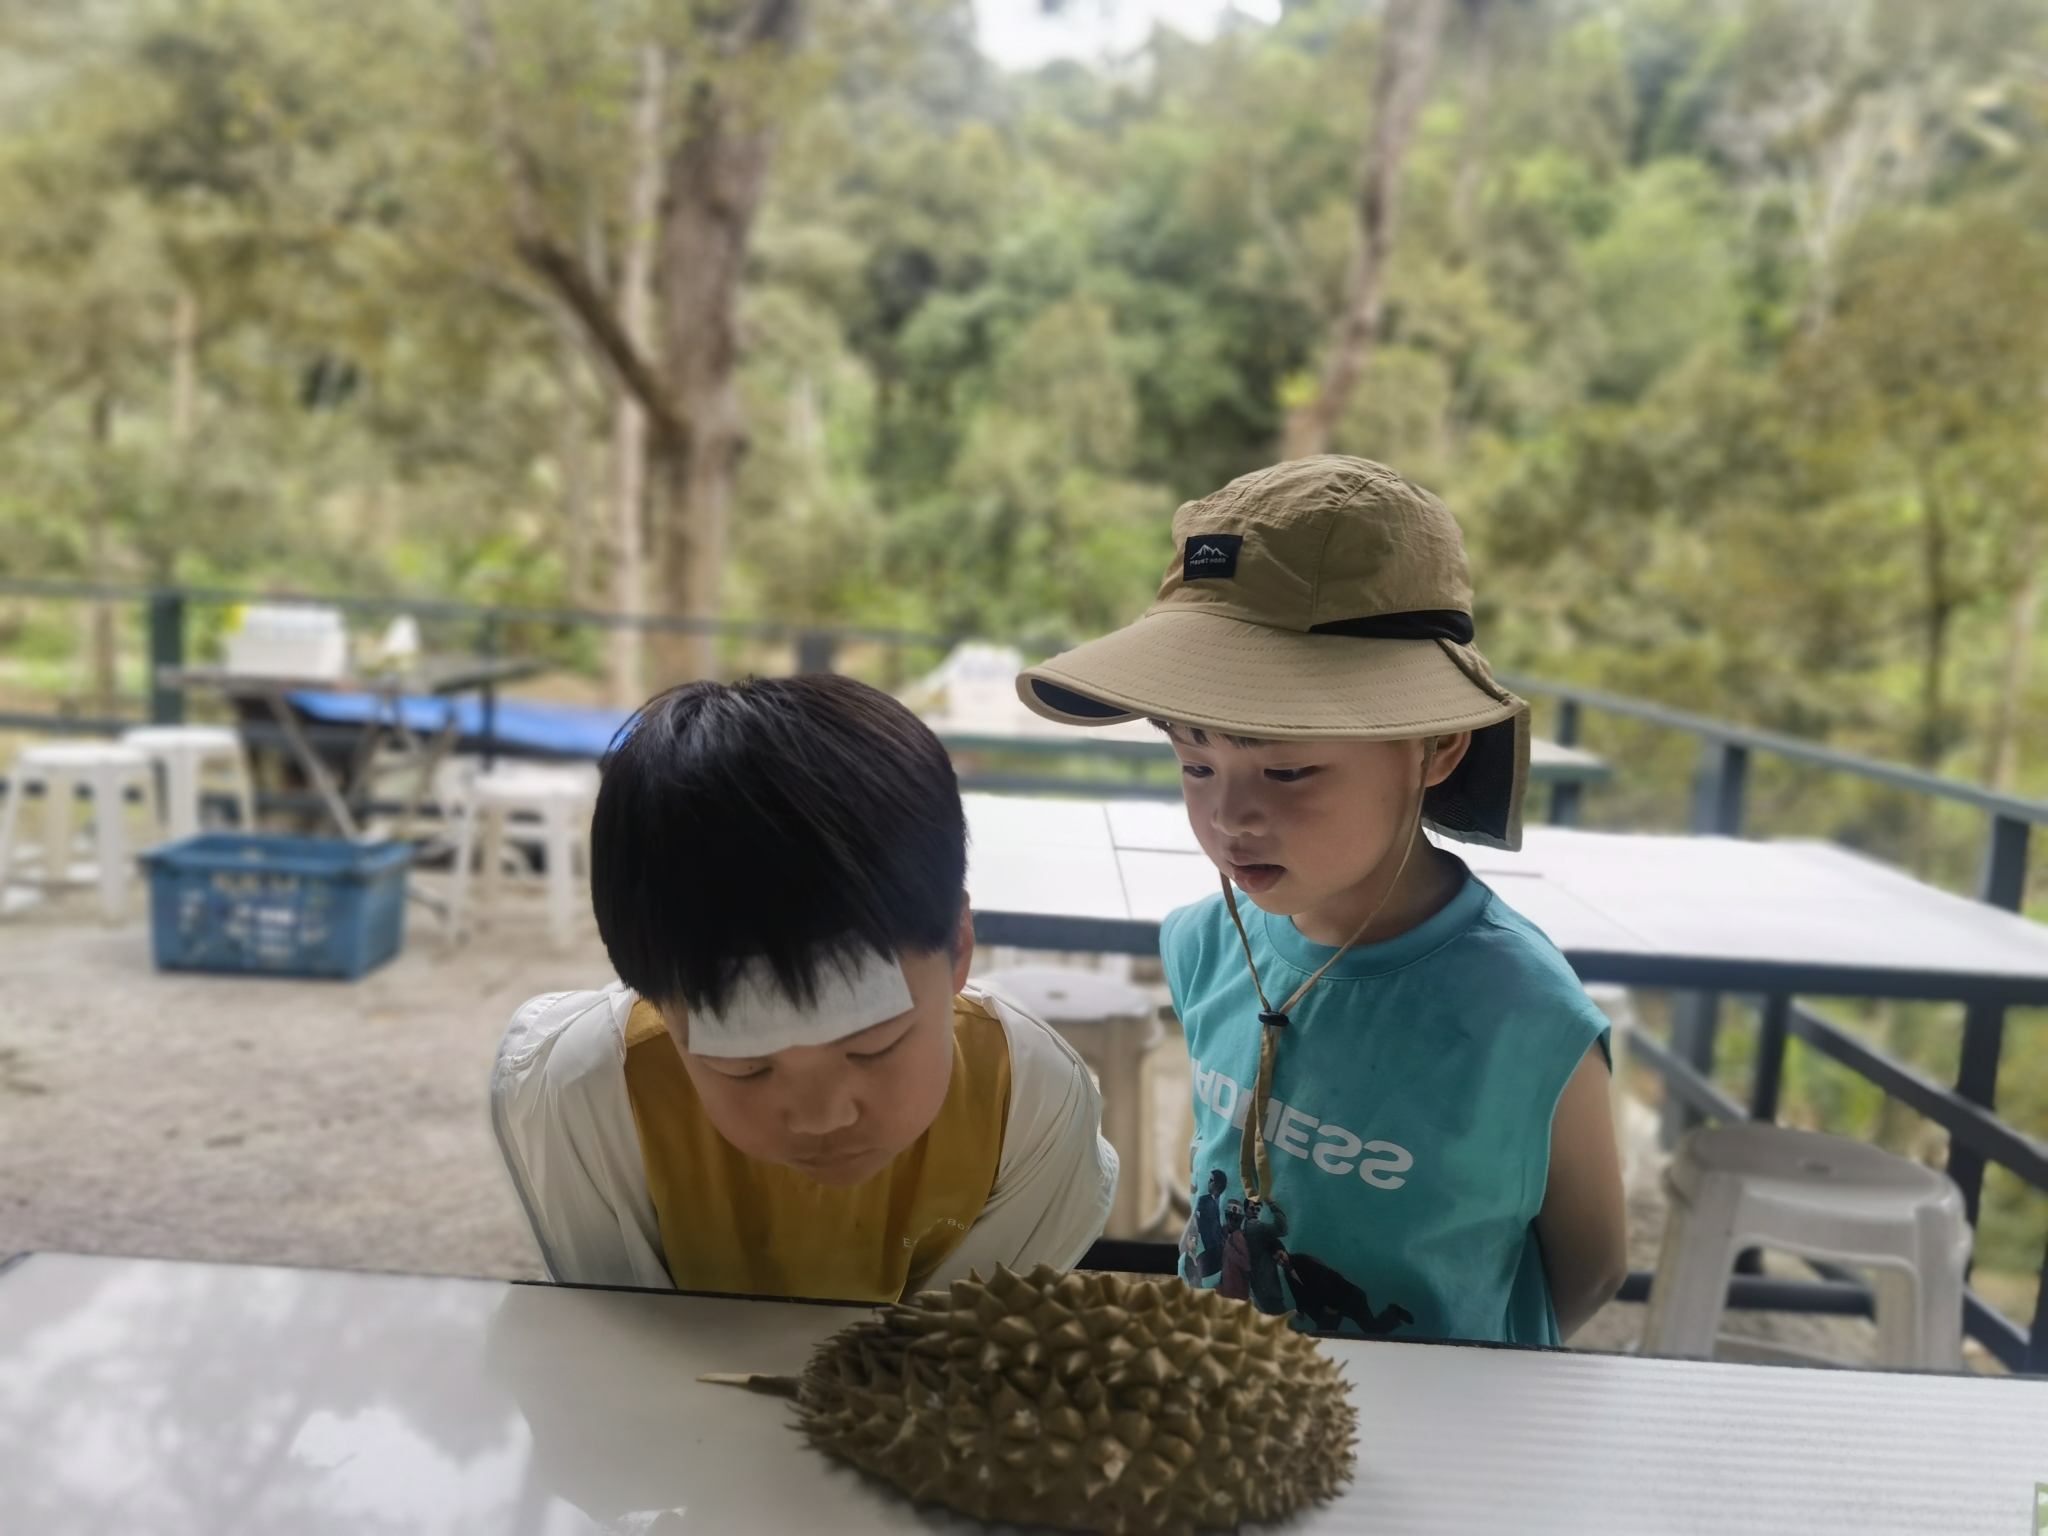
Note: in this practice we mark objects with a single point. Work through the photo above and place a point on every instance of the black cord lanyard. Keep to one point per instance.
(1254, 1164)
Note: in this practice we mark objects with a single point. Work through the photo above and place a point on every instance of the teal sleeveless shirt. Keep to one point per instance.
(1409, 1122)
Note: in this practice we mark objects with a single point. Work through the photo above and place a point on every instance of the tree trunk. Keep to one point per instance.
(184, 366)
(2001, 764)
(573, 448)
(101, 647)
(1939, 610)
(629, 421)
(1408, 47)
(712, 188)
(1478, 94)
(714, 184)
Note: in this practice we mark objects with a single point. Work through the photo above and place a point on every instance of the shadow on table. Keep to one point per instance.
(621, 1426)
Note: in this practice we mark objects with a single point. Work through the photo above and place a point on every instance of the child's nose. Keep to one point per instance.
(1239, 811)
(820, 1110)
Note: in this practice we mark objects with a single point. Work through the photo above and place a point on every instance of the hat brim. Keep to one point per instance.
(1238, 678)
(1244, 679)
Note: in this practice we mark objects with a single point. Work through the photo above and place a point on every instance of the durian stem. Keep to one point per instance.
(753, 1381)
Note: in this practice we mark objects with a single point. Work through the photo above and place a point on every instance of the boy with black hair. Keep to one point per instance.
(791, 1091)
(1375, 1034)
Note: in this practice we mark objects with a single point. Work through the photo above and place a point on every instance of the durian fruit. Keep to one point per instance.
(1087, 1401)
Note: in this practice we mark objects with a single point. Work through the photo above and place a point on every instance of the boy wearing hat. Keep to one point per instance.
(1423, 1079)
(792, 1091)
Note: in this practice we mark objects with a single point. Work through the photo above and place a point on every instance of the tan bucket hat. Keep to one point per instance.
(1324, 597)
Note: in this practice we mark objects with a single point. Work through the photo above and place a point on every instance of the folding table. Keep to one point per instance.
(385, 693)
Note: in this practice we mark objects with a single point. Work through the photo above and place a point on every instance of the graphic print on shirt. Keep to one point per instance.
(1245, 1248)
(1251, 1257)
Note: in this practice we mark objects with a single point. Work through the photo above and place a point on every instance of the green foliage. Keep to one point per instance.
(1710, 321)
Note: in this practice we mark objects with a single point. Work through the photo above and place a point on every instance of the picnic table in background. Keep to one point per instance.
(218, 1397)
(413, 706)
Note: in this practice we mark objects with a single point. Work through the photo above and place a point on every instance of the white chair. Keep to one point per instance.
(1756, 1185)
(1113, 1026)
(541, 805)
(59, 769)
(186, 758)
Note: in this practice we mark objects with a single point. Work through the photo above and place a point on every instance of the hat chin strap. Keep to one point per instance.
(1254, 1163)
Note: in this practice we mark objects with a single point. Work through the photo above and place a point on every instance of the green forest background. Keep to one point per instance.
(1722, 326)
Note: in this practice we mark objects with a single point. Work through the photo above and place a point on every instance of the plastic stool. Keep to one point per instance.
(1113, 1026)
(492, 809)
(1755, 1185)
(59, 769)
(184, 755)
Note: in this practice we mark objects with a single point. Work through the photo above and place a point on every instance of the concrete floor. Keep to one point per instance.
(273, 1121)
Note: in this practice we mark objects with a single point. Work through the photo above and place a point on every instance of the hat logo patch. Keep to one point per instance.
(1210, 556)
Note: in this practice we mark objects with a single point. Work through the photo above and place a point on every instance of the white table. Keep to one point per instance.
(1714, 913)
(215, 1400)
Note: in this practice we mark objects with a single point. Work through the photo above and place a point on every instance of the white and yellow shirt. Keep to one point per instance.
(626, 1182)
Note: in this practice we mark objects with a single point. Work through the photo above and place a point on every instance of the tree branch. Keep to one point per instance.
(572, 284)
(1409, 34)
(541, 252)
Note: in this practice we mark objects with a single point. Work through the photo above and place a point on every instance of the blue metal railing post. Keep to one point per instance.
(166, 649)
(2037, 1336)
(1773, 1029)
(2003, 882)
(815, 650)
(1695, 1016)
(1564, 794)
(1718, 789)
(1977, 1081)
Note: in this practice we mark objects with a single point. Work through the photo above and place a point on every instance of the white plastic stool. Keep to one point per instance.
(59, 769)
(1113, 1026)
(533, 804)
(1755, 1185)
(185, 755)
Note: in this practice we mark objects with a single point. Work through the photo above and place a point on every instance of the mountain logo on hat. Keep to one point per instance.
(1210, 556)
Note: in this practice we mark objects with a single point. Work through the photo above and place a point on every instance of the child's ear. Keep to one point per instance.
(1450, 751)
(963, 943)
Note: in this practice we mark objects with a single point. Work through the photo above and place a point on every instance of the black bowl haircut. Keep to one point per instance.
(804, 821)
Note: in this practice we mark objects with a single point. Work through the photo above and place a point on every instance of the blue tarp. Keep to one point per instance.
(520, 725)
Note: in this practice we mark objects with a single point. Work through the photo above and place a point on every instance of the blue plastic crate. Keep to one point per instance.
(281, 906)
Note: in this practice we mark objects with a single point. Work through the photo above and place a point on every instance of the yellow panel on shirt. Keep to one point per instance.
(732, 1223)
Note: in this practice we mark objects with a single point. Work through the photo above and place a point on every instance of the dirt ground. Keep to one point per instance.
(344, 1125)
(291, 1122)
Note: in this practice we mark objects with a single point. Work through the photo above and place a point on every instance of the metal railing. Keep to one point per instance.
(1966, 1111)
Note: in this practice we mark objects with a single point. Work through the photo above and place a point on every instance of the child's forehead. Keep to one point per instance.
(1364, 749)
(676, 1016)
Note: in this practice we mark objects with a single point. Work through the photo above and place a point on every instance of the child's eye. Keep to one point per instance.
(866, 1056)
(1288, 775)
(1194, 771)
